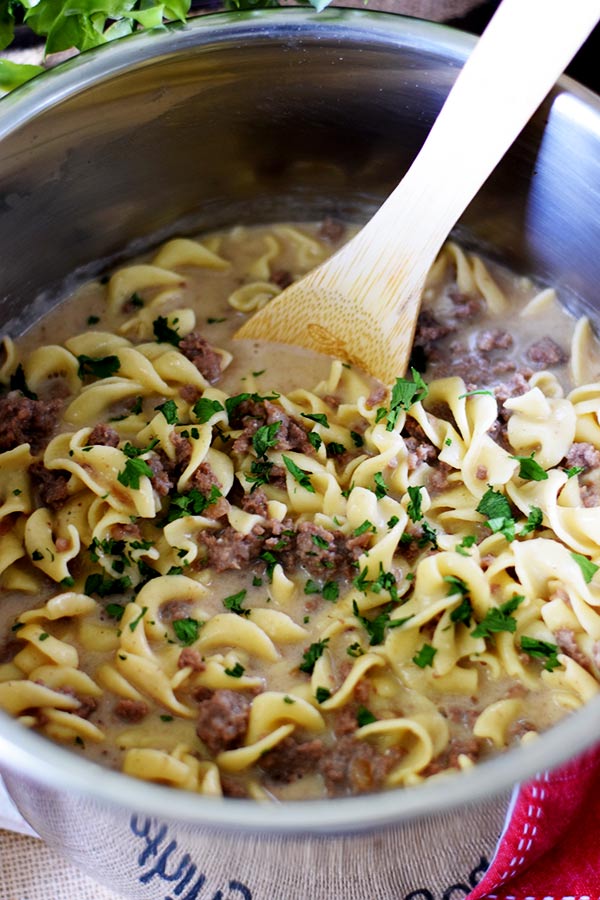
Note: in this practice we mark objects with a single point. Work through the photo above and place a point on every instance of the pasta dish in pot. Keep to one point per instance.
(249, 570)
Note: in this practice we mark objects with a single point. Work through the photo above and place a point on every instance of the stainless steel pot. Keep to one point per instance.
(245, 118)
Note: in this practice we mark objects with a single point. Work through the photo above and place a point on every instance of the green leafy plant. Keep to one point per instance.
(83, 24)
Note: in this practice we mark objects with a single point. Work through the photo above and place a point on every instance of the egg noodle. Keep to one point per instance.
(290, 594)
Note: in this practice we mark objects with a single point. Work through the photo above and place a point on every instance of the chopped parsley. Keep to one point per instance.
(380, 485)
(424, 657)
(322, 694)
(169, 411)
(385, 581)
(133, 471)
(357, 439)
(467, 541)
(93, 320)
(529, 469)
(136, 301)
(361, 529)
(476, 393)
(311, 655)
(534, 520)
(541, 650)
(413, 507)
(133, 625)
(165, 717)
(335, 449)
(429, 536)
(115, 610)
(319, 541)
(214, 321)
(186, 630)
(194, 503)
(236, 672)
(260, 472)
(392, 522)
(319, 418)
(498, 618)
(496, 508)
(43, 636)
(265, 438)
(405, 393)
(297, 473)
(289, 700)
(315, 439)
(204, 409)
(104, 586)
(97, 366)
(587, 567)
(232, 403)
(464, 610)
(574, 470)
(132, 452)
(312, 587)
(355, 650)
(375, 627)
(364, 716)
(331, 591)
(234, 603)
(163, 332)
(36, 555)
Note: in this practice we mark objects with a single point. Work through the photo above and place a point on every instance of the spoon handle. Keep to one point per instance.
(523, 51)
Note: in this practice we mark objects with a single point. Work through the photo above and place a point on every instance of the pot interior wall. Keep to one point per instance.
(239, 123)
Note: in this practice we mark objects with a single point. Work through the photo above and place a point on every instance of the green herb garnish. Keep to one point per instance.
(424, 657)
(186, 630)
(311, 655)
(98, 366)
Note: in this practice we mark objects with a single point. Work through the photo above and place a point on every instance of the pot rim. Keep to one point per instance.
(26, 753)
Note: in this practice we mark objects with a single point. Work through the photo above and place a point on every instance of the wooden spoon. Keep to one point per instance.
(361, 305)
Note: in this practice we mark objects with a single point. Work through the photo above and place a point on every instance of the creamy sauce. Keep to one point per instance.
(382, 694)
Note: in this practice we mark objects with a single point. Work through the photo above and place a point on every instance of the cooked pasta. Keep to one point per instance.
(247, 570)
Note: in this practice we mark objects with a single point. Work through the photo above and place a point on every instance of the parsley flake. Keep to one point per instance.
(322, 694)
(424, 657)
(467, 541)
(380, 485)
(499, 618)
(496, 508)
(236, 672)
(311, 655)
(413, 507)
(133, 625)
(529, 469)
(133, 471)
(319, 418)
(169, 411)
(574, 470)
(298, 475)
(364, 716)
(587, 567)
(186, 630)
(234, 603)
(163, 332)
(265, 438)
(204, 409)
(98, 366)
(541, 650)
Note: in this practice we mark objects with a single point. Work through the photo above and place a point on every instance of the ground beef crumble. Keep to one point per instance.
(223, 720)
(26, 421)
(202, 355)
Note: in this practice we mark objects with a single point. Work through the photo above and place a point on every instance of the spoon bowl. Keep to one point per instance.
(361, 305)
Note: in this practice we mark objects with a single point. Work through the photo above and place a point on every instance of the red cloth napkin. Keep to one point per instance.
(550, 849)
